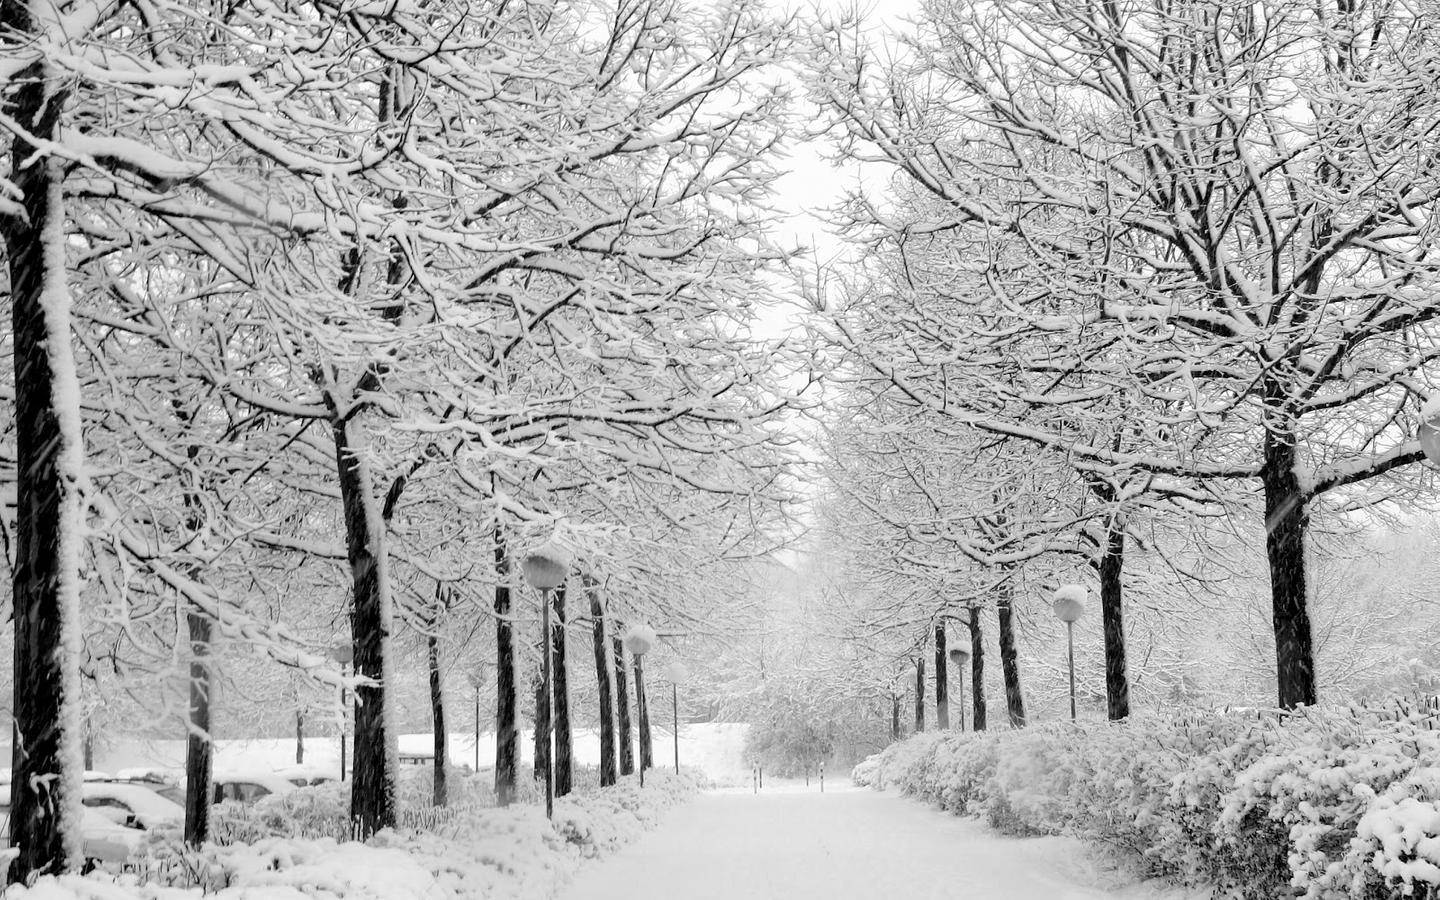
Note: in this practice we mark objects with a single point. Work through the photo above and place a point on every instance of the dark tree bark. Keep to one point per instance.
(89, 748)
(1287, 519)
(299, 737)
(564, 740)
(602, 680)
(199, 752)
(45, 673)
(507, 735)
(1009, 658)
(642, 703)
(894, 717)
(440, 792)
(919, 695)
(372, 783)
(977, 670)
(942, 674)
(1112, 563)
(622, 711)
(540, 735)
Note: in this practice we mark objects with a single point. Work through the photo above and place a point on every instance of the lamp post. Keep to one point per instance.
(477, 681)
(675, 673)
(638, 640)
(544, 569)
(958, 659)
(1069, 605)
(344, 654)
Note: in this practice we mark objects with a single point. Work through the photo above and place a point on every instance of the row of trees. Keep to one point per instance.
(386, 290)
(1148, 281)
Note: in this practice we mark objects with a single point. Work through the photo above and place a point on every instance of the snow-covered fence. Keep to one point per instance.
(1319, 804)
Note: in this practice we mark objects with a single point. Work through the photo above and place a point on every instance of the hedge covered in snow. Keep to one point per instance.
(468, 850)
(1320, 804)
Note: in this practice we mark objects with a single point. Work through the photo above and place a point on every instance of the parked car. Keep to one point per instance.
(302, 775)
(147, 779)
(131, 804)
(102, 841)
(248, 788)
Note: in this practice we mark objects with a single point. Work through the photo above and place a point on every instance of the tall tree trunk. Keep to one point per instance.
(44, 824)
(1112, 562)
(942, 689)
(540, 736)
(507, 731)
(919, 694)
(1287, 519)
(299, 737)
(372, 783)
(89, 748)
(440, 792)
(894, 716)
(622, 711)
(602, 681)
(642, 702)
(564, 740)
(199, 751)
(1009, 658)
(977, 670)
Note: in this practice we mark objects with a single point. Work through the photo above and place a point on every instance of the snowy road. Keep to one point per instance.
(846, 843)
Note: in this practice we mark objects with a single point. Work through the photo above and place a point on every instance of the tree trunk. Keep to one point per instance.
(942, 689)
(1009, 659)
(372, 784)
(1112, 563)
(919, 695)
(642, 702)
(977, 670)
(89, 748)
(44, 824)
(564, 740)
(299, 737)
(1286, 521)
(440, 793)
(507, 732)
(622, 711)
(199, 751)
(540, 736)
(602, 680)
(894, 717)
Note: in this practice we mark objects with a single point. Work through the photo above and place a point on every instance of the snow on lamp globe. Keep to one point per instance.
(958, 658)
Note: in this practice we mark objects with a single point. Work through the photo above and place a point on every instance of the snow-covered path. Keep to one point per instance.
(792, 845)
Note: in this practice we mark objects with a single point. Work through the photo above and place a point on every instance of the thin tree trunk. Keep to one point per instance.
(199, 752)
(942, 689)
(44, 825)
(1287, 519)
(602, 680)
(647, 750)
(89, 748)
(919, 695)
(894, 717)
(1009, 659)
(1112, 562)
(299, 737)
(440, 793)
(622, 711)
(977, 670)
(372, 784)
(564, 740)
(540, 736)
(507, 733)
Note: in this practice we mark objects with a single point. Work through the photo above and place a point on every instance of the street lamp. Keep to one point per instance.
(1430, 429)
(675, 673)
(477, 681)
(1069, 605)
(344, 654)
(638, 640)
(544, 569)
(958, 659)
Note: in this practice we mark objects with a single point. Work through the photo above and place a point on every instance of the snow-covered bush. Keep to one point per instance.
(1322, 804)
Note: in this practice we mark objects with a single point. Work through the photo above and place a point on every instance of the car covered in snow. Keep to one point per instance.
(247, 787)
(132, 804)
(102, 840)
(302, 775)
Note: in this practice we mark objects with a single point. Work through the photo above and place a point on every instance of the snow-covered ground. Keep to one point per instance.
(847, 843)
(716, 749)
